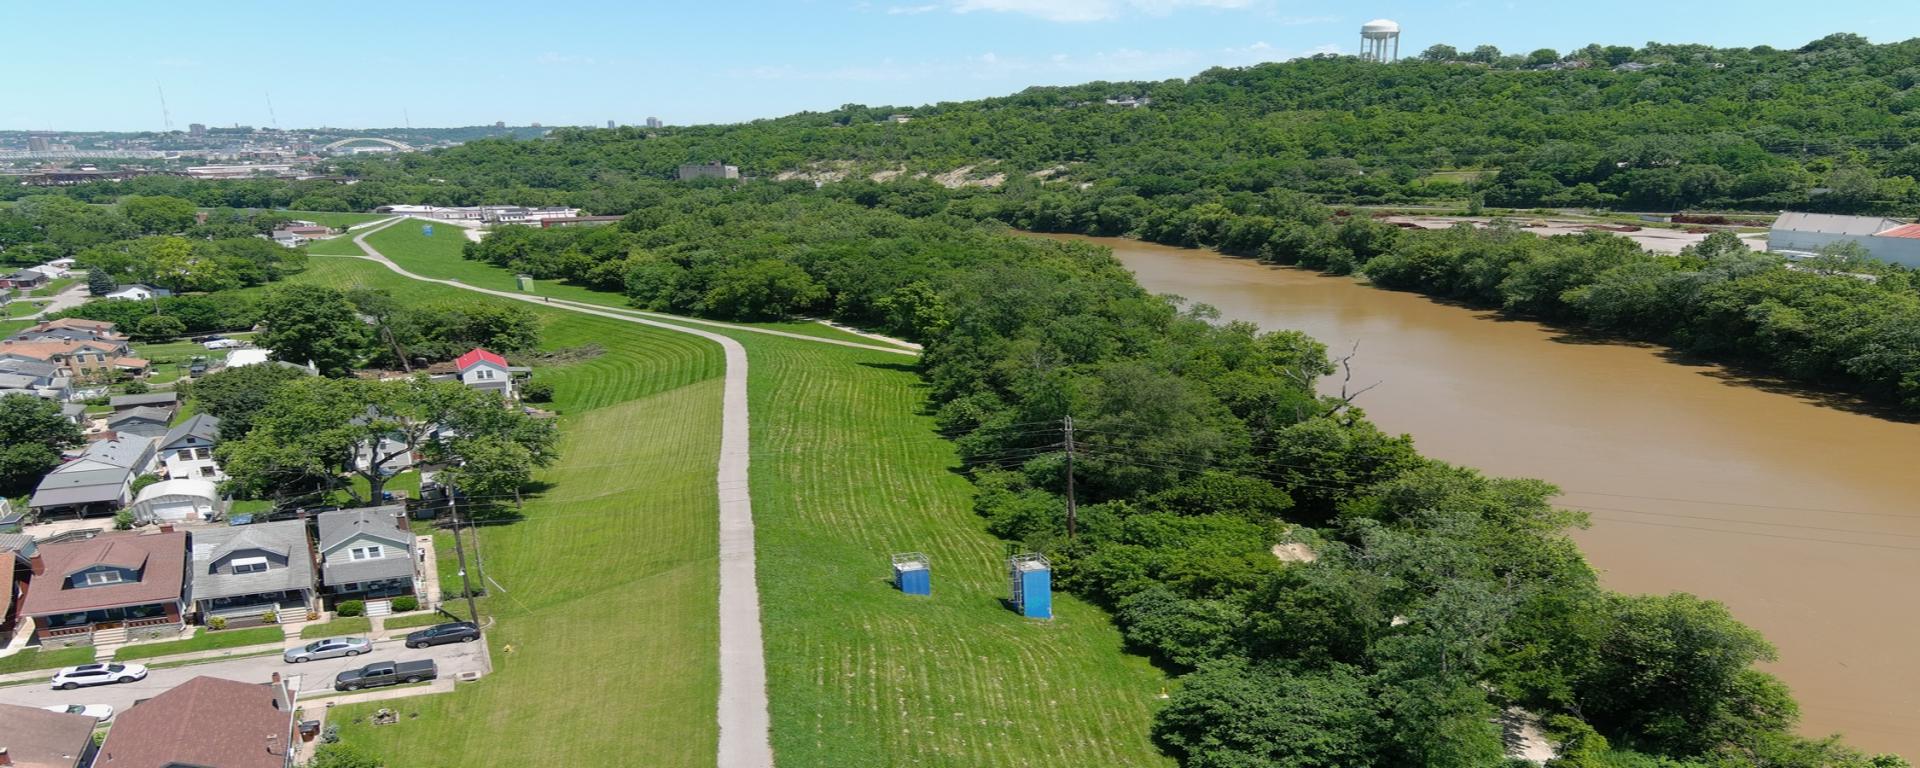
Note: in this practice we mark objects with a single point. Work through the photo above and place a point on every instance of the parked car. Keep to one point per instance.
(98, 674)
(329, 648)
(441, 634)
(382, 673)
(99, 712)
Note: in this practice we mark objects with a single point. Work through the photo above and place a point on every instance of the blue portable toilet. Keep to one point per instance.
(1030, 577)
(913, 573)
(426, 229)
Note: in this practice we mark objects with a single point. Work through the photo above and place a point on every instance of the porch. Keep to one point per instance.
(369, 590)
(62, 630)
(250, 610)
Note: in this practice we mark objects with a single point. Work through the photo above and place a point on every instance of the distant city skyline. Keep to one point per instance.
(366, 65)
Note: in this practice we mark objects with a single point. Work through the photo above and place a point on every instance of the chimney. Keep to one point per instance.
(5, 759)
(37, 567)
(166, 528)
(276, 678)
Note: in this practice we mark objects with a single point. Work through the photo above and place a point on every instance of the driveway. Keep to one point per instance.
(314, 677)
(75, 295)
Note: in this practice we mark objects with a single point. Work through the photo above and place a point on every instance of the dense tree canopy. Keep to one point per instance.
(32, 434)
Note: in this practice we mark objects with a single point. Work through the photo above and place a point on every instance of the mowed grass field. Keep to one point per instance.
(846, 471)
(605, 650)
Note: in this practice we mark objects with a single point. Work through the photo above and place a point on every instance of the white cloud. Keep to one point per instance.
(910, 10)
(1089, 10)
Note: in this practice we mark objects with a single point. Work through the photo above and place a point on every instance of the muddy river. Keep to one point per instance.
(1799, 515)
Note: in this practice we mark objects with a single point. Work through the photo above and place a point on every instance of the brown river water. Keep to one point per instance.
(1798, 515)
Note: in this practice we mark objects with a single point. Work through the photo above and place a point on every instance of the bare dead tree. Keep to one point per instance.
(1344, 400)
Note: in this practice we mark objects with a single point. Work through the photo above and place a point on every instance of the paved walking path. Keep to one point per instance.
(743, 668)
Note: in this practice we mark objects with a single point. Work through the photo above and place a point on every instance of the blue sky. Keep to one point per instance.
(99, 65)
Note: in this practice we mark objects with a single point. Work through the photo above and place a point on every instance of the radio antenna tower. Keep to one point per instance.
(270, 115)
(166, 118)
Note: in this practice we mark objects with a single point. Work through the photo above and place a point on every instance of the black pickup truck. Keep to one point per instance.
(382, 673)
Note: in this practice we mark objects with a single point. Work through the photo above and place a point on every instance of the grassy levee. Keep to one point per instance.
(406, 244)
(846, 471)
(605, 650)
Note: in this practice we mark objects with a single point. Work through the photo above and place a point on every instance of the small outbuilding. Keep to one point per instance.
(174, 501)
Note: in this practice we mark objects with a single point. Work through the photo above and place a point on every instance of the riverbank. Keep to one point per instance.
(1795, 515)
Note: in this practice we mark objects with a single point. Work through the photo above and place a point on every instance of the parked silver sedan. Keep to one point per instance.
(331, 647)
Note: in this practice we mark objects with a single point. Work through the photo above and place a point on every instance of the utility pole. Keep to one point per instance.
(1072, 506)
(460, 551)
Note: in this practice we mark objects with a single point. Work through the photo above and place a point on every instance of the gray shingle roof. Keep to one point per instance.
(1833, 224)
(150, 398)
(141, 413)
(287, 538)
(88, 486)
(341, 524)
(391, 567)
(203, 426)
(126, 452)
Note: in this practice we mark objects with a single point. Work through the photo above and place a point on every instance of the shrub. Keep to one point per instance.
(405, 603)
(138, 388)
(350, 608)
(217, 623)
(537, 391)
(123, 520)
(141, 482)
(270, 617)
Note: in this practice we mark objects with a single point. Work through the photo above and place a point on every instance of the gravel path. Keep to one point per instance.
(743, 669)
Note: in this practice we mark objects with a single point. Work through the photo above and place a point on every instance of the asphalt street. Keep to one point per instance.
(315, 677)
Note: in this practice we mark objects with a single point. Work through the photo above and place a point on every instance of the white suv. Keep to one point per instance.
(98, 674)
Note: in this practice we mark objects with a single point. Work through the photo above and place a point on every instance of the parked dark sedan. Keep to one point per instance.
(441, 634)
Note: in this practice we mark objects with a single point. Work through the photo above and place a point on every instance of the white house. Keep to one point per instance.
(480, 369)
(366, 553)
(137, 292)
(186, 452)
(51, 270)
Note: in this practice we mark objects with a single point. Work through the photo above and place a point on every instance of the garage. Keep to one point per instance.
(174, 501)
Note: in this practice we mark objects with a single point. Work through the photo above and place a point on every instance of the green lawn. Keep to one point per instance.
(606, 644)
(20, 308)
(35, 658)
(357, 626)
(416, 619)
(207, 640)
(53, 287)
(8, 327)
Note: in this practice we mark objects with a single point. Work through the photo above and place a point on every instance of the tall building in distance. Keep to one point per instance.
(654, 122)
(197, 130)
(1380, 40)
(39, 144)
(609, 123)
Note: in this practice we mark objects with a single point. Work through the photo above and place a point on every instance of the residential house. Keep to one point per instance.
(145, 421)
(99, 481)
(17, 551)
(52, 271)
(73, 328)
(31, 737)
(99, 588)
(206, 721)
(84, 360)
(288, 239)
(480, 369)
(137, 292)
(179, 501)
(167, 400)
(25, 280)
(242, 571)
(366, 553)
(186, 451)
(26, 376)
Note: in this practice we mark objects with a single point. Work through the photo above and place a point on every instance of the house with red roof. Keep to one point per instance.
(206, 721)
(101, 589)
(480, 369)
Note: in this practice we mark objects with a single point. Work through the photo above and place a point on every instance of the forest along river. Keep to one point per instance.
(1798, 516)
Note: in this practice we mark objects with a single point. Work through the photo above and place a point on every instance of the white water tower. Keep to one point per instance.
(1380, 40)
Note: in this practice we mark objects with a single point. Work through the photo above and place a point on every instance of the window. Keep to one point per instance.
(250, 565)
(203, 453)
(483, 374)
(206, 471)
(369, 552)
(186, 454)
(98, 578)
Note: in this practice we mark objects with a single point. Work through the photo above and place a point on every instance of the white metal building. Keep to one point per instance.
(1804, 234)
(174, 501)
